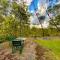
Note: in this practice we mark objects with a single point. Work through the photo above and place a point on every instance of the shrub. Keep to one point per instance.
(10, 37)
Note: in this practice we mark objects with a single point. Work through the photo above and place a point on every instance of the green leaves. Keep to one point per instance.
(56, 21)
(4, 5)
(20, 12)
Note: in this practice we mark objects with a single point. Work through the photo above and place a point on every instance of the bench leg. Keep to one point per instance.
(13, 49)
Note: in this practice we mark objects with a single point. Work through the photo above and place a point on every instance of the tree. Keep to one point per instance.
(16, 23)
(3, 7)
(55, 10)
(22, 15)
(55, 22)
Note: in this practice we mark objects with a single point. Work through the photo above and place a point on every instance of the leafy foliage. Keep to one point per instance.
(55, 22)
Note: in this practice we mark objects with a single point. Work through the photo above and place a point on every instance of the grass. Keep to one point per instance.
(53, 44)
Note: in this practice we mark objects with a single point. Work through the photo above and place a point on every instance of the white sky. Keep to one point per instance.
(28, 1)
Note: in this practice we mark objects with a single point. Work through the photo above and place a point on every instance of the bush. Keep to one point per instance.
(10, 37)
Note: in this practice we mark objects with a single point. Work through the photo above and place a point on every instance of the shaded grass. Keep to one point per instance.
(53, 45)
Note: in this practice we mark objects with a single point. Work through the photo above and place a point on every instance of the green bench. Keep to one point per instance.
(17, 45)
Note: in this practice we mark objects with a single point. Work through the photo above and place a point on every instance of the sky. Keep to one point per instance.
(40, 5)
(36, 4)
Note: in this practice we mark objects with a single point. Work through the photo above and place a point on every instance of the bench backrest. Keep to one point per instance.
(17, 43)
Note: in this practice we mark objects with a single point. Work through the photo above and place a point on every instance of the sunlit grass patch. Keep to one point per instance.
(53, 45)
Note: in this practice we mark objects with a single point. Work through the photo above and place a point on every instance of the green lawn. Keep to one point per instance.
(53, 44)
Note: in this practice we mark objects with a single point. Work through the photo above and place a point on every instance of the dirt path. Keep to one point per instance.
(5, 54)
(29, 52)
